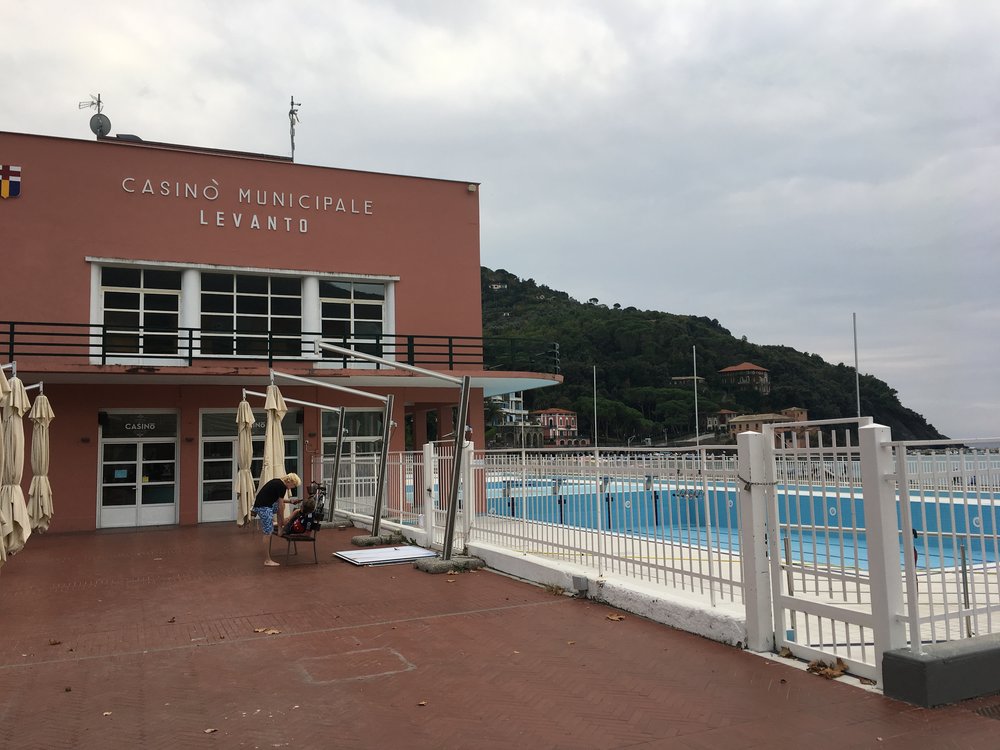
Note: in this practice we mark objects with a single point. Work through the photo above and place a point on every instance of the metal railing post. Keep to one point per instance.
(468, 490)
(879, 495)
(909, 564)
(753, 546)
(430, 504)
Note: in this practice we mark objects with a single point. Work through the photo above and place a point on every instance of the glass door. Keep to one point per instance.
(220, 459)
(138, 472)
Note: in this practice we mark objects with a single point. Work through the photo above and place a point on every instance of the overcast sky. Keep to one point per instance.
(777, 165)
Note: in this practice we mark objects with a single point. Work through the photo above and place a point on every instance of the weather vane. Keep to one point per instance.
(99, 124)
(293, 118)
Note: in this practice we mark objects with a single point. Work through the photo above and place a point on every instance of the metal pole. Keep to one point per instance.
(965, 592)
(789, 579)
(595, 411)
(324, 384)
(694, 359)
(335, 480)
(382, 462)
(857, 377)
(456, 477)
(320, 345)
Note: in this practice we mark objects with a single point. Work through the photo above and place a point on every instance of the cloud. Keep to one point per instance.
(775, 165)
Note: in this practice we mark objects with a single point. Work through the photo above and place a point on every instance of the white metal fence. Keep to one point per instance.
(666, 517)
(808, 526)
(950, 529)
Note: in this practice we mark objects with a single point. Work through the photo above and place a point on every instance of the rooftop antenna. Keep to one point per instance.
(293, 118)
(100, 125)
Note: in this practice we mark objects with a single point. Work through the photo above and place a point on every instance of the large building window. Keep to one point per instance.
(140, 310)
(353, 314)
(171, 315)
(242, 313)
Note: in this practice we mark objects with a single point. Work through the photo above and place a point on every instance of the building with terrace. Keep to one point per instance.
(154, 282)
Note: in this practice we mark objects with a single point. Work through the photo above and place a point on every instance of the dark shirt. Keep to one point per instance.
(301, 522)
(270, 493)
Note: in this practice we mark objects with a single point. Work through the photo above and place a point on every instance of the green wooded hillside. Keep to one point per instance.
(637, 352)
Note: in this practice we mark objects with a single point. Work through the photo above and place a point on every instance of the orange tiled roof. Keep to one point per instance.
(743, 366)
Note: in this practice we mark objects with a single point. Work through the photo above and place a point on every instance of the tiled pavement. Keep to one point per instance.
(149, 639)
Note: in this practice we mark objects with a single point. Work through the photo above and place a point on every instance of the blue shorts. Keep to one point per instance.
(266, 517)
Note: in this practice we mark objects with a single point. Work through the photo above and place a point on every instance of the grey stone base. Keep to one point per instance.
(374, 541)
(456, 564)
(945, 673)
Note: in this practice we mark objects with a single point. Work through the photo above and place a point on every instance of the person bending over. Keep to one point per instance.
(266, 505)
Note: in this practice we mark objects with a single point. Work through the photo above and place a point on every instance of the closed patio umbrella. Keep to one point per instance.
(40, 491)
(273, 464)
(244, 456)
(4, 390)
(274, 439)
(15, 527)
(4, 521)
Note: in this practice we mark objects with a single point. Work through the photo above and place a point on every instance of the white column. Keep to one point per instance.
(312, 317)
(190, 312)
(430, 503)
(753, 547)
(468, 489)
(878, 489)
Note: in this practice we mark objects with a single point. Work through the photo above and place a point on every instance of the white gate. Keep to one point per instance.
(831, 543)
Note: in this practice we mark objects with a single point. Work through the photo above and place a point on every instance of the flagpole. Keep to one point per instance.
(694, 358)
(857, 378)
(595, 410)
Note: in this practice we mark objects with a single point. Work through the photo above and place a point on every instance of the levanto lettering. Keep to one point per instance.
(250, 197)
(253, 221)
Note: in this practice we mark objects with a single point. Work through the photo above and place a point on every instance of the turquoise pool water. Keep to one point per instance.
(819, 527)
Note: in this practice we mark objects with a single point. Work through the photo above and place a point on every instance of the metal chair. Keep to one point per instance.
(293, 540)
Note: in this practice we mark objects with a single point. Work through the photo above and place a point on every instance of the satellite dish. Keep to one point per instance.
(100, 125)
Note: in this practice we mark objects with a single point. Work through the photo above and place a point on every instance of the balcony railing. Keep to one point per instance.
(109, 345)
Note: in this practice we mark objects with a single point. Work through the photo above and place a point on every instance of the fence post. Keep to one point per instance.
(751, 475)
(468, 490)
(879, 494)
(430, 504)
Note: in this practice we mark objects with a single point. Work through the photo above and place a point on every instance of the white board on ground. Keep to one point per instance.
(384, 555)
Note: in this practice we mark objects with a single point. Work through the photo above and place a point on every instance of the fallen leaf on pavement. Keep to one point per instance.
(267, 631)
(172, 619)
(422, 703)
(54, 642)
(616, 617)
(570, 643)
(209, 731)
(785, 653)
(107, 713)
(827, 671)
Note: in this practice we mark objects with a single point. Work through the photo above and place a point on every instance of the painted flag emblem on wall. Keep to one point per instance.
(10, 181)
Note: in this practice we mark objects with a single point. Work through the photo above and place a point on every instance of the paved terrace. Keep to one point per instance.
(180, 638)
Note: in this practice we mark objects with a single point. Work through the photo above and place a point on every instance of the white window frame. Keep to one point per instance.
(189, 308)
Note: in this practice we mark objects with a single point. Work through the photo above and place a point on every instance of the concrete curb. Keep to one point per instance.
(725, 622)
